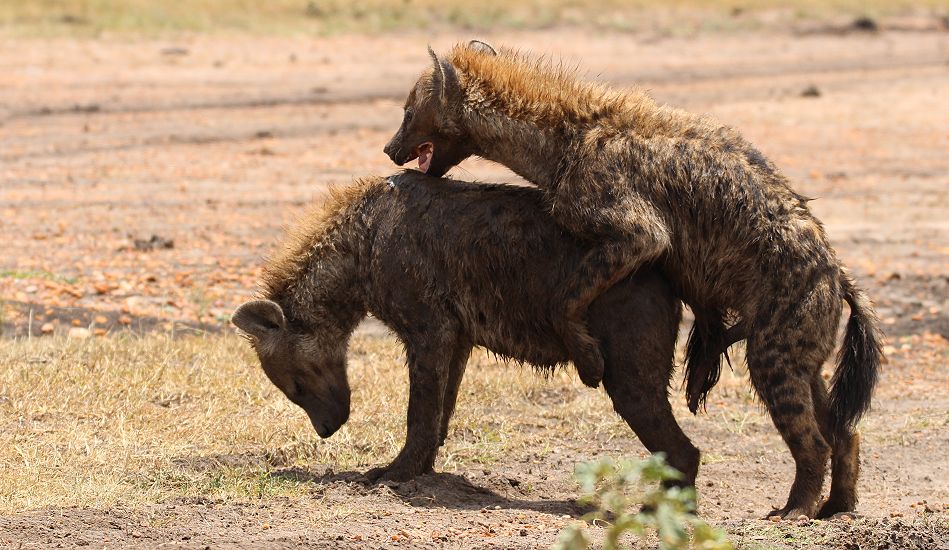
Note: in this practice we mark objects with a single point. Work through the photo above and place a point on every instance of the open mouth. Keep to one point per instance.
(424, 153)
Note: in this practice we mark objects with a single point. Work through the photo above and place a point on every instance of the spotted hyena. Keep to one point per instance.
(645, 183)
(445, 265)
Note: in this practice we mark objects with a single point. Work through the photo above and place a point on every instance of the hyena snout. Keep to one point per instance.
(327, 416)
(390, 151)
(395, 151)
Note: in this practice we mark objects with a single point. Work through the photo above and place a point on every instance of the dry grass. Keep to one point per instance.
(133, 420)
(130, 421)
(92, 17)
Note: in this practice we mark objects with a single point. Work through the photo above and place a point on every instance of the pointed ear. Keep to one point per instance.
(482, 47)
(444, 78)
(259, 318)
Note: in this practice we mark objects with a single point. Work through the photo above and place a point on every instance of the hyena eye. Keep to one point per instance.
(407, 117)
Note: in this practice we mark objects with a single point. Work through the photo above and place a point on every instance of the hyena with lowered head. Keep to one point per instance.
(650, 183)
(442, 264)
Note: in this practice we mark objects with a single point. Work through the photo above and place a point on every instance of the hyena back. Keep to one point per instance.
(649, 183)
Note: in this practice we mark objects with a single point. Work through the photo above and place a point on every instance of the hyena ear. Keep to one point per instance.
(259, 318)
(482, 47)
(444, 78)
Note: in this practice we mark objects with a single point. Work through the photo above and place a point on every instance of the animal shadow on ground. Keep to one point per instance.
(431, 490)
(442, 490)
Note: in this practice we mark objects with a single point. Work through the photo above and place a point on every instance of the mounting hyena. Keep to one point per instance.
(443, 264)
(651, 183)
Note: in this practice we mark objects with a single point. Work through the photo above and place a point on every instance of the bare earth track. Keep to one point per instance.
(214, 143)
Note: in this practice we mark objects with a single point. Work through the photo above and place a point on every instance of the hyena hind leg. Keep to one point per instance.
(639, 397)
(845, 469)
(845, 459)
(638, 331)
(784, 384)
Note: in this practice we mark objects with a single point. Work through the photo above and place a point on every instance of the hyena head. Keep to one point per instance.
(307, 364)
(432, 129)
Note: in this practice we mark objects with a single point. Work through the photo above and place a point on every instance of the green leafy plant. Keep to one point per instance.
(630, 496)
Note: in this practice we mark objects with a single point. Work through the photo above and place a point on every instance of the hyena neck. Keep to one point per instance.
(327, 295)
(533, 117)
(316, 277)
(523, 146)
(525, 114)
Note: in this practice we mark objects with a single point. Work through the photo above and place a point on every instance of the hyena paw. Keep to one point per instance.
(392, 472)
(584, 350)
(832, 507)
(590, 366)
(791, 513)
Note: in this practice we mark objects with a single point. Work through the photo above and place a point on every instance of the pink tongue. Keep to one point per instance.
(425, 159)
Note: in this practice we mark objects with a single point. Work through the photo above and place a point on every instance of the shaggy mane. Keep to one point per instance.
(536, 88)
(315, 233)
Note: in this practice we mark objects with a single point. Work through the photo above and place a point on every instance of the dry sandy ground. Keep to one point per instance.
(213, 143)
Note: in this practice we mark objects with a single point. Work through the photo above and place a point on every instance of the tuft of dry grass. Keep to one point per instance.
(143, 419)
(92, 17)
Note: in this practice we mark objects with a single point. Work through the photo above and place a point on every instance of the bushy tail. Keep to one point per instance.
(859, 360)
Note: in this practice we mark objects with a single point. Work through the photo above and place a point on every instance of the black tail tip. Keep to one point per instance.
(858, 369)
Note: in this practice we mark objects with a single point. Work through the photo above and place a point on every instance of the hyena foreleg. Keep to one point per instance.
(633, 236)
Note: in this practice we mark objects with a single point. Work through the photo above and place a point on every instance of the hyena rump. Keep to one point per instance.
(649, 183)
(443, 264)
